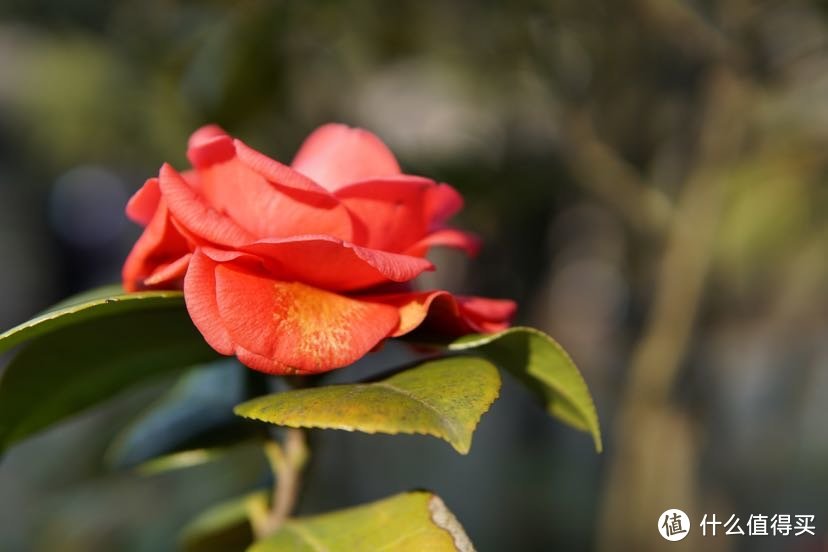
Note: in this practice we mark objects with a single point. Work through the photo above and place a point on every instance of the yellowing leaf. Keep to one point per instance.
(410, 522)
(542, 364)
(444, 398)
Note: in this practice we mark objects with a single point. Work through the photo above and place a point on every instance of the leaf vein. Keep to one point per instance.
(402, 538)
(306, 536)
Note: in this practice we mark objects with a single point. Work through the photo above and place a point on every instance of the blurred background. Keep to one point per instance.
(650, 178)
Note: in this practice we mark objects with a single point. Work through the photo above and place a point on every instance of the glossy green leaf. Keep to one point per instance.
(223, 527)
(410, 522)
(102, 292)
(98, 303)
(80, 355)
(444, 398)
(542, 364)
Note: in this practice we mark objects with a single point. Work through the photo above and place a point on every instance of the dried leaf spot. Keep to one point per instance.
(443, 518)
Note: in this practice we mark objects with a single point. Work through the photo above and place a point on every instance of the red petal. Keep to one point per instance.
(169, 273)
(335, 155)
(448, 237)
(405, 214)
(279, 173)
(391, 210)
(296, 325)
(143, 204)
(264, 364)
(209, 148)
(159, 246)
(200, 296)
(329, 263)
(203, 135)
(442, 313)
(443, 203)
(195, 215)
(487, 315)
(264, 197)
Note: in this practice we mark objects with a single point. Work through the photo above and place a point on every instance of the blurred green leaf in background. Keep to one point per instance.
(649, 179)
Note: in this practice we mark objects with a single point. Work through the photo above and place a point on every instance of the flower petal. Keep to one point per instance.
(295, 325)
(264, 197)
(279, 173)
(442, 313)
(159, 246)
(209, 145)
(443, 203)
(448, 237)
(143, 204)
(405, 214)
(264, 364)
(332, 264)
(195, 216)
(335, 155)
(487, 315)
(169, 274)
(391, 211)
(200, 297)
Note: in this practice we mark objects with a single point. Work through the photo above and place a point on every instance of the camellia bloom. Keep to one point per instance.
(302, 268)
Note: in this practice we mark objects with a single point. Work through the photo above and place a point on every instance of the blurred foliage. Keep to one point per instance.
(649, 178)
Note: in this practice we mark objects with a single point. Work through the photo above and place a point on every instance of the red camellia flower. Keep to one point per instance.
(302, 268)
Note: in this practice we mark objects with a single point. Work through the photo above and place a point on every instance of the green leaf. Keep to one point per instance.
(542, 364)
(196, 413)
(444, 398)
(98, 303)
(83, 354)
(180, 460)
(409, 522)
(223, 527)
(103, 292)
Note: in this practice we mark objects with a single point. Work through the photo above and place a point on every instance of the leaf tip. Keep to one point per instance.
(599, 444)
(461, 447)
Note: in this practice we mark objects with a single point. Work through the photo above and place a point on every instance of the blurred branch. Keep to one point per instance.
(286, 461)
(609, 177)
(656, 455)
(678, 23)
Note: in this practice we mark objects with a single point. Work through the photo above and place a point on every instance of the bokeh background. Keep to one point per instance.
(650, 178)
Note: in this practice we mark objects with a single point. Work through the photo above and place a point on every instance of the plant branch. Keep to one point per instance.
(614, 181)
(287, 460)
(657, 448)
